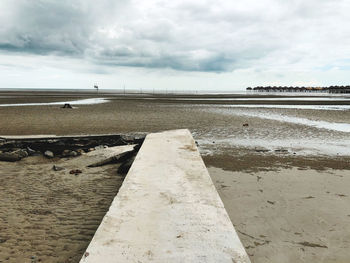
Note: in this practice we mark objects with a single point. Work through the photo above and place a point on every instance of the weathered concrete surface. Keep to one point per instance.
(167, 210)
(110, 151)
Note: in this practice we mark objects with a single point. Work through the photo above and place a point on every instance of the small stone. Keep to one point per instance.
(73, 154)
(9, 157)
(80, 152)
(262, 150)
(57, 168)
(99, 147)
(21, 153)
(49, 154)
(281, 151)
(67, 106)
(75, 171)
(30, 151)
(66, 153)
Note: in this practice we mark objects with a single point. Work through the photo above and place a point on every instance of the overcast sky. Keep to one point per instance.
(178, 45)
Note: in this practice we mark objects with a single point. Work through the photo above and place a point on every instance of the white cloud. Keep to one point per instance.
(194, 36)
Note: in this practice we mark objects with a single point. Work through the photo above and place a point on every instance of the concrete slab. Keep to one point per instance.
(111, 151)
(167, 210)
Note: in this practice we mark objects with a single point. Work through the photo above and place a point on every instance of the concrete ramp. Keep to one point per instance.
(167, 210)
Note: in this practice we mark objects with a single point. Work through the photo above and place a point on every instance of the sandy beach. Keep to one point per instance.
(282, 172)
(51, 216)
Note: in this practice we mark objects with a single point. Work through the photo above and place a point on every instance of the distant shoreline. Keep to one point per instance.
(51, 97)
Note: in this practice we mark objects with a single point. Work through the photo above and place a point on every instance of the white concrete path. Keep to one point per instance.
(167, 210)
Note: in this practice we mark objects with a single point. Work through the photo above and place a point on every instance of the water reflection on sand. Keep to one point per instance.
(74, 102)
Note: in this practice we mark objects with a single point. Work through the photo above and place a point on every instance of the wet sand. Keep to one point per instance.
(291, 165)
(51, 216)
(289, 215)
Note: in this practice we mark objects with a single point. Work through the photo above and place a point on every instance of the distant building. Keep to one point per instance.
(331, 89)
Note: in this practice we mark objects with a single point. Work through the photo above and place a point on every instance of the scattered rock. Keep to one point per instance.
(75, 171)
(21, 153)
(281, 151)
(69, 153)
(49, 154)
(67, 106)
(262, 150)
(66, 153)
(73, 154)
(30, 151)
(9, 157)
(80, 151)
(99, 147)
(57, 168)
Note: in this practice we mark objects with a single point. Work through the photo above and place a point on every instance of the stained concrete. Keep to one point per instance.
(167, 210)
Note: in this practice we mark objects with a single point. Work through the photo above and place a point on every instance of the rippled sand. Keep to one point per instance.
(51, 216)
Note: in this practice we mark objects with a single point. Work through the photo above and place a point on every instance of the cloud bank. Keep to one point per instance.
(195, 36)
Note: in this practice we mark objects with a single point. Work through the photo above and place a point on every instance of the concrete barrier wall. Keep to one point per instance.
(167, 210)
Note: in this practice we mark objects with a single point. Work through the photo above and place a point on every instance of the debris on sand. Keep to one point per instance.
(309, 244)
(281, 151)
(13, 156)
(12, 150)
(49, 154)
(69, 153)
(57, 168)
(261, 150)
(119, 158)
(341, 195)
(75, 171)
(309, 197)
(67, 106)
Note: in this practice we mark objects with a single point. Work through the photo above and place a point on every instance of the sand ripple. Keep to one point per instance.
(48, 216)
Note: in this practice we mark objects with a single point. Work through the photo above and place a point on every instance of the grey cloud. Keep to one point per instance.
(206, 35)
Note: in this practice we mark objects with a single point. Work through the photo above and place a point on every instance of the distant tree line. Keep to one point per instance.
(330, 89)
